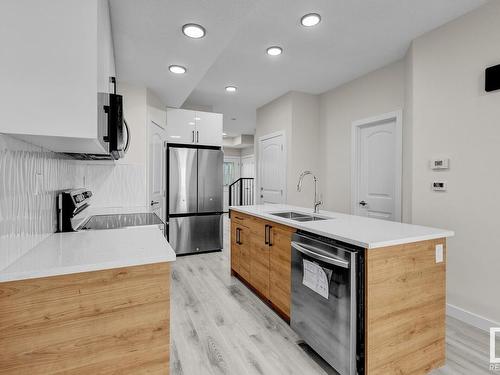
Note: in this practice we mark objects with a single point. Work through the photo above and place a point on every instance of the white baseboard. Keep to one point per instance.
(470, 318)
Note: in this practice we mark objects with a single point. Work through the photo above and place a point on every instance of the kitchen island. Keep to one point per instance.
(404, 288)
(88, 302)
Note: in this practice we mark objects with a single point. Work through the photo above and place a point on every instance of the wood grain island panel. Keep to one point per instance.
(405, 295)
(101, 322)
(405, 309)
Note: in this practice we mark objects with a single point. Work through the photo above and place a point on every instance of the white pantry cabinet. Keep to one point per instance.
(56, 56)
(194, 127)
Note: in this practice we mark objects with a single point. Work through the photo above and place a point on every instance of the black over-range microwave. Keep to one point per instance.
(113, 133)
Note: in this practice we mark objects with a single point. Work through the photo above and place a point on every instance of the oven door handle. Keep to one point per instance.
(310, 252)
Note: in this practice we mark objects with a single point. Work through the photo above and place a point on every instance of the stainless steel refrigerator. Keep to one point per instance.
(195, 199)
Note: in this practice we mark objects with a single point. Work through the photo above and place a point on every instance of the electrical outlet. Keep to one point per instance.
(439, 186)
(439, 253)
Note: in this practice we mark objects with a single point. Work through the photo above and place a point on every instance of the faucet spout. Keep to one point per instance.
(301, 178)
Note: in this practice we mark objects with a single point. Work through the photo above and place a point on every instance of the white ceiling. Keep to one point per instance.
(354, 38)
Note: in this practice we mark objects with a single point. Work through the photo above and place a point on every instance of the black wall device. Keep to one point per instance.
(492, 81)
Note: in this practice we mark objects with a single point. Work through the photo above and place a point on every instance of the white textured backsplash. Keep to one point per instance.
(30, 179)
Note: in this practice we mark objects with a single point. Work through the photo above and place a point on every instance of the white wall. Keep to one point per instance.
(229, 151)
(248, 151)
(271, 118)
(454, 117)
(136, 100)
(304, 153)
(379, 92)
(297, 115)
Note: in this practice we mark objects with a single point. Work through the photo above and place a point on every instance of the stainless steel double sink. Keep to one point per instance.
(299, 216)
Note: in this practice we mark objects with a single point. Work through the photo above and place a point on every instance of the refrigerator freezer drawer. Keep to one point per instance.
(193, 234)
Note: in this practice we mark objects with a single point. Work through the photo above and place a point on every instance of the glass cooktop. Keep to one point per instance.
(121, 221)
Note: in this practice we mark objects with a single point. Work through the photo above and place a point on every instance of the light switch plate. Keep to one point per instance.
(437, 164)
(439, 253)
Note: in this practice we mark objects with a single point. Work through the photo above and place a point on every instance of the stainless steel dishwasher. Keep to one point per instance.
(329, 319)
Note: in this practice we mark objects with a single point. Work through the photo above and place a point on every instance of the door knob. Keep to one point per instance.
(154, 202)
(363, 203)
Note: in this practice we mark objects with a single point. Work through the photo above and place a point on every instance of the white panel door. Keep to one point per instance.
(377, 162)
(248, 166)
(208, 128)
(272, 169)
(157, 170)
(181, 126)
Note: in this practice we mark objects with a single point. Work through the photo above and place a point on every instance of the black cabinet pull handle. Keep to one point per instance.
(270, 242)
(265, 235)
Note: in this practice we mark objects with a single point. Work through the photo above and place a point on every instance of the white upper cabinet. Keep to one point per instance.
(209, 128)
(56, 56)
(181, 126)
(194, 127)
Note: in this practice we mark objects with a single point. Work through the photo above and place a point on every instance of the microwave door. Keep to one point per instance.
(182, 180)
(210, 180)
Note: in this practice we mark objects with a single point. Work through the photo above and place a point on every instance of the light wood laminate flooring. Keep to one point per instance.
(218, 326)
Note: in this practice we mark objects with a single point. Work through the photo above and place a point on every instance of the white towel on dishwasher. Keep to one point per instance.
(316, 278)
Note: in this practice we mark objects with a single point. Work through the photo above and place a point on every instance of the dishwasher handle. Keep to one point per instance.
(310, 251)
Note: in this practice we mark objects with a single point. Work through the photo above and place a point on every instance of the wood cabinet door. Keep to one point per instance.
(244, 253)
(280, 258)
(259, 260)
(235, 249)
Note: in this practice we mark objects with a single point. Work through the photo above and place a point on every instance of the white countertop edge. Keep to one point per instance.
(367, 245)
(71, 270)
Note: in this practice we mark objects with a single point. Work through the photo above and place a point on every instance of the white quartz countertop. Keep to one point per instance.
(91, 250)
(356, 230)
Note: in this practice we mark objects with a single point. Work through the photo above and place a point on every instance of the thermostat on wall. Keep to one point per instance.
(439, 186)
(440, 163)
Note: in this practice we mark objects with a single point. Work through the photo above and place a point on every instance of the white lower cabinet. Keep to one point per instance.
(194, 127)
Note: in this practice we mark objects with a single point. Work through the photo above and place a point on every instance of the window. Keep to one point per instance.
(228, 173)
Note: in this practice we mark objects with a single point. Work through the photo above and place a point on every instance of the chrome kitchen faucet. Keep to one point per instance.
(317, 202)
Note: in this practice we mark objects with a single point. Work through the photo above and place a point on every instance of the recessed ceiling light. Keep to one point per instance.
(224, 134)
(175, 136)
(197, 118)
(191, 123)
(231, 88)
(177, 69)
(311, 19)
(193, 30)
(274, 51)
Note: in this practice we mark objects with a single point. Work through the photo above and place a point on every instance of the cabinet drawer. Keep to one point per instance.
(240, 218)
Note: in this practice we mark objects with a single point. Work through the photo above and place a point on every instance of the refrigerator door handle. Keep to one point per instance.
(197, 136)
(192, 132)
